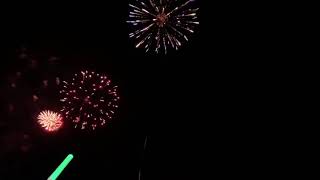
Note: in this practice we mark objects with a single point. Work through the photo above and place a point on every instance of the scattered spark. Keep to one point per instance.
(57, 80)
(45, 83)
(35, 98)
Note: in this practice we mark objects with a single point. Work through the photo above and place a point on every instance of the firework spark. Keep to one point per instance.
(49, 120)
(89, 100)
(160, 24)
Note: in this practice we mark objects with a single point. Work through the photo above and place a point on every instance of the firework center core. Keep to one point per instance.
(161, 19)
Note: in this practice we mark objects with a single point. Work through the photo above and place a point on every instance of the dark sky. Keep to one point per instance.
(221, 89)
(159, 96)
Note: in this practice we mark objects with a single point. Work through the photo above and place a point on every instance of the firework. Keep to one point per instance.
(160, 24)
(89, 100)
(49, 120)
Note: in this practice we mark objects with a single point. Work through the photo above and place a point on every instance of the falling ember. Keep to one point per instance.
(35, 98)
(49, 120)
(87, 106)
(160, 24)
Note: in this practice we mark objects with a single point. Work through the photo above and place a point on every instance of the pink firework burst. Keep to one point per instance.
(89, 100)
(49, 120)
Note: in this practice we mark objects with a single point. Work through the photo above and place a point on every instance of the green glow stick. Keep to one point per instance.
(60, 168)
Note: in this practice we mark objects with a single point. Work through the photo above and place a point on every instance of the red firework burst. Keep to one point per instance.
(49, 120)
(89, 100)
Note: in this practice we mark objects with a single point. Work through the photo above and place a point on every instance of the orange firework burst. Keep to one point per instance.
(50, 120)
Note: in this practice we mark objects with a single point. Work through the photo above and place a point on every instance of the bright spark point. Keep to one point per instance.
(50, 120)
(160, 24)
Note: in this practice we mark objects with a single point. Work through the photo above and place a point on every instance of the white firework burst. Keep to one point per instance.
(160, 24)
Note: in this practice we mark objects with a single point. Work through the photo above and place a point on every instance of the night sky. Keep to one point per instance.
(159, 96)
(223, 89)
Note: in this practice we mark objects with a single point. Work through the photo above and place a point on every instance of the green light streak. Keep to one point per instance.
(60, 168)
